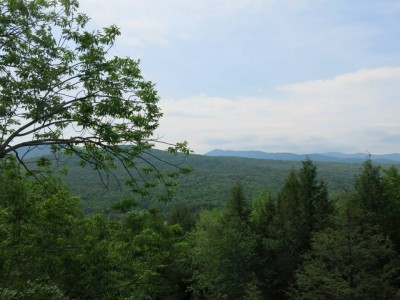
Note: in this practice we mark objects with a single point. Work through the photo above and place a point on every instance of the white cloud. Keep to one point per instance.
(351, 112)
(244, 47)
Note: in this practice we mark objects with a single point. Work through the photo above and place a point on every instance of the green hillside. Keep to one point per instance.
(207, 185)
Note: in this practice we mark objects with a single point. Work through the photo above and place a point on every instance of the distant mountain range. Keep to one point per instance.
(393, 158)
(214, 174)
(207, 186)
(30, 152)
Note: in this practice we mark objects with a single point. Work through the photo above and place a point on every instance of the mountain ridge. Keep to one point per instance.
(207, 186)
(321, 157)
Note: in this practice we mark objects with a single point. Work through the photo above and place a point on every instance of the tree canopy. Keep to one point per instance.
(60, 87)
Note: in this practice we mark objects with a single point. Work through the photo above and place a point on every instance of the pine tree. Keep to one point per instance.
(303, 207)
(351, 260)
(237, 204)
(224, 251)
(370, 191)
(390, 220)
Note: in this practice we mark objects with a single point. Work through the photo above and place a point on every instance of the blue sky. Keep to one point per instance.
(278, 76)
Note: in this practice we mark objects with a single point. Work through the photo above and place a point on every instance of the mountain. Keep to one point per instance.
(338, 157)
(207, 186)
(392, 158)
(36, 151)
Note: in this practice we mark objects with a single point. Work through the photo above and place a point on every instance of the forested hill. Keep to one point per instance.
(393, 158)
(209, 183)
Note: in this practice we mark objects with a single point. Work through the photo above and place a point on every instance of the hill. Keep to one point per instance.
(320, 157)
(208, 185)
(35, 151)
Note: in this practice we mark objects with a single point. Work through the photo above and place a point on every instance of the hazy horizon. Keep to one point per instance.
(299, 153)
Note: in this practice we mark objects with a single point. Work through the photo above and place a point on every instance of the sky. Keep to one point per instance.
(302, 76)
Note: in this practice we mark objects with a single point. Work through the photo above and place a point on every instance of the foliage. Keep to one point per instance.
(224, 252)
(391, 221)
(223, 255)
(59, 87)
(369, 190)
(49, 247)
(301, 208)
(237, 204)
(180, 214)
(208, 185)
(356, 258)
(39, 226)
(378, 197)
(34, 290)
(263, 213)
(352, 260)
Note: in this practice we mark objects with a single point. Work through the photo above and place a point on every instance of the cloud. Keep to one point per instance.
(352, 112)
(239, 51)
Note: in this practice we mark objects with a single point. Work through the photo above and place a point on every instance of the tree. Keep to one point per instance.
(302, 208)
(181, 215)
(223, 257)
(370, 190)
(391, 220)
(237, 204)
(263, 220)
(314, 196)
(350, 260)
(39, 230)
(50, 250)
(356, 257)
(60, 88)
(263, 213)
(379, 197)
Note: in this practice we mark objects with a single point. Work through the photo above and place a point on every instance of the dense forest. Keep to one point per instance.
(299, 244)
(206, 186)
(231, 229)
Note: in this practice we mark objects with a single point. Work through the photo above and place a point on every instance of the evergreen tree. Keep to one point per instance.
(237, 204)
(379, 197)
(351, 260)
(180, 214)
(390, 220)
(302, 208)
(263, 217)
(263, 213)
(370, 191)
(223, 257)
(224, 252)
(314, 196)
